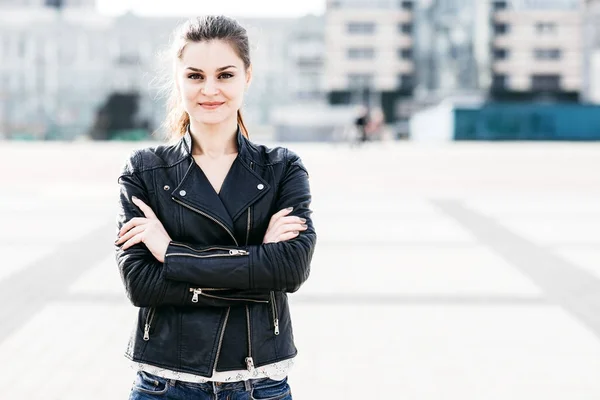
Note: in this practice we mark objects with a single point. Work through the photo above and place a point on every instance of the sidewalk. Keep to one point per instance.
(463, 271)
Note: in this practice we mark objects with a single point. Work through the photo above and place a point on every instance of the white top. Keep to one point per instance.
(276, 371)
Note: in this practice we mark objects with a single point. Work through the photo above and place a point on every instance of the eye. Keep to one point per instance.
(226, 75)
(195, 76)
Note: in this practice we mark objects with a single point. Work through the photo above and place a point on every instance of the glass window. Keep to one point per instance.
(406, 5)
(545, 82)
(500, 28)
(405, 28)
(405, 54)
(361, 53)
(547, 54)
(546, 27)
(500, 54)
(499, 81)
(361, 27)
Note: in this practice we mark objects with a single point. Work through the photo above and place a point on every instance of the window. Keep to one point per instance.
(499, 5)
(500, 28)
(405, 54)
(357, 81)
(405, 28)
(361, 53)
(361, 27)
(500, 54)
(545, 82)
(547, 54)
(545, 27)
(406, 81)
(499, 81)
(406, 5)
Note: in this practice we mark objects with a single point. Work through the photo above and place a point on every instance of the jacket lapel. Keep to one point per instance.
(242, 187)
(195, 192)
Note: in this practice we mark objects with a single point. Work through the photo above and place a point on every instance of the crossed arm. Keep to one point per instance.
(157, 271)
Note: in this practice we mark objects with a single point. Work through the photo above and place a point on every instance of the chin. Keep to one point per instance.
(210, 119)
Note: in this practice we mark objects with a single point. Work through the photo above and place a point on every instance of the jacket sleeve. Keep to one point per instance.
(282, 266)
(144, 276)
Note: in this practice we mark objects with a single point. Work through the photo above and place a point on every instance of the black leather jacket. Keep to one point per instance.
(219, 301)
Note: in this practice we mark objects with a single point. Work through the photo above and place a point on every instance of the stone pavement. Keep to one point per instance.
(458, 271)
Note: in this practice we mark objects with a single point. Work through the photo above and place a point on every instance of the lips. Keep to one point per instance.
(210, 105)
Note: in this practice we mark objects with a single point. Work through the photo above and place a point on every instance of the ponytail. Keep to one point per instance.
(243, 128)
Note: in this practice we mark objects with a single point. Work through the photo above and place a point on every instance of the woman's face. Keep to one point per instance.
(211, 80)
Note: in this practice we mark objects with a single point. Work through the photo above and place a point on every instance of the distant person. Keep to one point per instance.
(361, 124)
(375, 125)
(214, 232)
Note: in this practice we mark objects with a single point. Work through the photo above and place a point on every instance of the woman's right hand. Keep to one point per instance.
(282, 228)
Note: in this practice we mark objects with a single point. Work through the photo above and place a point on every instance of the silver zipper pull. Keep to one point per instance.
(196, 292)
(146, 332)
(276, 326)
(233, 252)
(249, 363)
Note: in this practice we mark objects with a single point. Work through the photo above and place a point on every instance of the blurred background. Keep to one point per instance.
(445, 69)
(454, 163)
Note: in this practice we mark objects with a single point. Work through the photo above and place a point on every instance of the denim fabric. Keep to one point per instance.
(148, 387)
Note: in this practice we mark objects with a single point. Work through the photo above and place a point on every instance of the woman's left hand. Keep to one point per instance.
(149, 231)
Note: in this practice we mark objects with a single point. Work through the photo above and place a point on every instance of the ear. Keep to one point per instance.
(248, 76)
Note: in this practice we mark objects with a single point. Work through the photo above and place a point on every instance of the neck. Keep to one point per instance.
(214, 140)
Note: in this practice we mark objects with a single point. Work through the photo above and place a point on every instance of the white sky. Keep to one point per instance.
(234, 8)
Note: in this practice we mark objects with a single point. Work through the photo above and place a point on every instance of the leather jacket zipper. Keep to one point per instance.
(275, 313)
(230, 253)
(221, 338)
(249, 359)
(207, 216)
(208, 248)
(148, 323)
(201, 292)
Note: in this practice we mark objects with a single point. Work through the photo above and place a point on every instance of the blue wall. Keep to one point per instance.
(496, 121)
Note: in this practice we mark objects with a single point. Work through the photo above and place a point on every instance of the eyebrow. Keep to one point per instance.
(218, 69)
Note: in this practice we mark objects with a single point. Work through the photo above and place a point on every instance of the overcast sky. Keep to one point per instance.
(234, 8)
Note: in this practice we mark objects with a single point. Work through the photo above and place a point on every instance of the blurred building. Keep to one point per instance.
(48, 3)
(453, 47)
(61, 61)
(591, 64)
(370, 53)
(537, 49)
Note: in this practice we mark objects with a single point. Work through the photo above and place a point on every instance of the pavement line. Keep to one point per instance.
(564, 283)
(25, 292)
(343, 299)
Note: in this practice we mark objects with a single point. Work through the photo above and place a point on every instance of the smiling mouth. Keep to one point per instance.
(211, 105)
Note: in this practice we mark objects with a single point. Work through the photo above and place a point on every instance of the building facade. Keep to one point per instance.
(370, 53)
(537, 49)
(591, 65)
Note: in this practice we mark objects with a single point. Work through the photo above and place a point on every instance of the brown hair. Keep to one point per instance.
(203, 29)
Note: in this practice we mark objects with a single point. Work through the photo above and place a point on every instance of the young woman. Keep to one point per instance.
(214, 231)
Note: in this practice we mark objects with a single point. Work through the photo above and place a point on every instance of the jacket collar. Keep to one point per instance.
(242, 186)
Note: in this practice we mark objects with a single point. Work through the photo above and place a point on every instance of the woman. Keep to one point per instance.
(213, 232)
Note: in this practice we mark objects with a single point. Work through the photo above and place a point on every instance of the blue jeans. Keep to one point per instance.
(151, 387)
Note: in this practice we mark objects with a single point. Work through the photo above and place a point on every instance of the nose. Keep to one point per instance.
(209, 88)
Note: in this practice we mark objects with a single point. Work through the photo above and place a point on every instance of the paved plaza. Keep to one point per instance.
(466, 271)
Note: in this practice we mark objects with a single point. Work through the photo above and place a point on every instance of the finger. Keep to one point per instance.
(288, 236)
(144, 207)
(289, 228)
(291, 220)
(287, 221)
(131, 223)
(134, 240)
(279, 214)
(130, 234)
